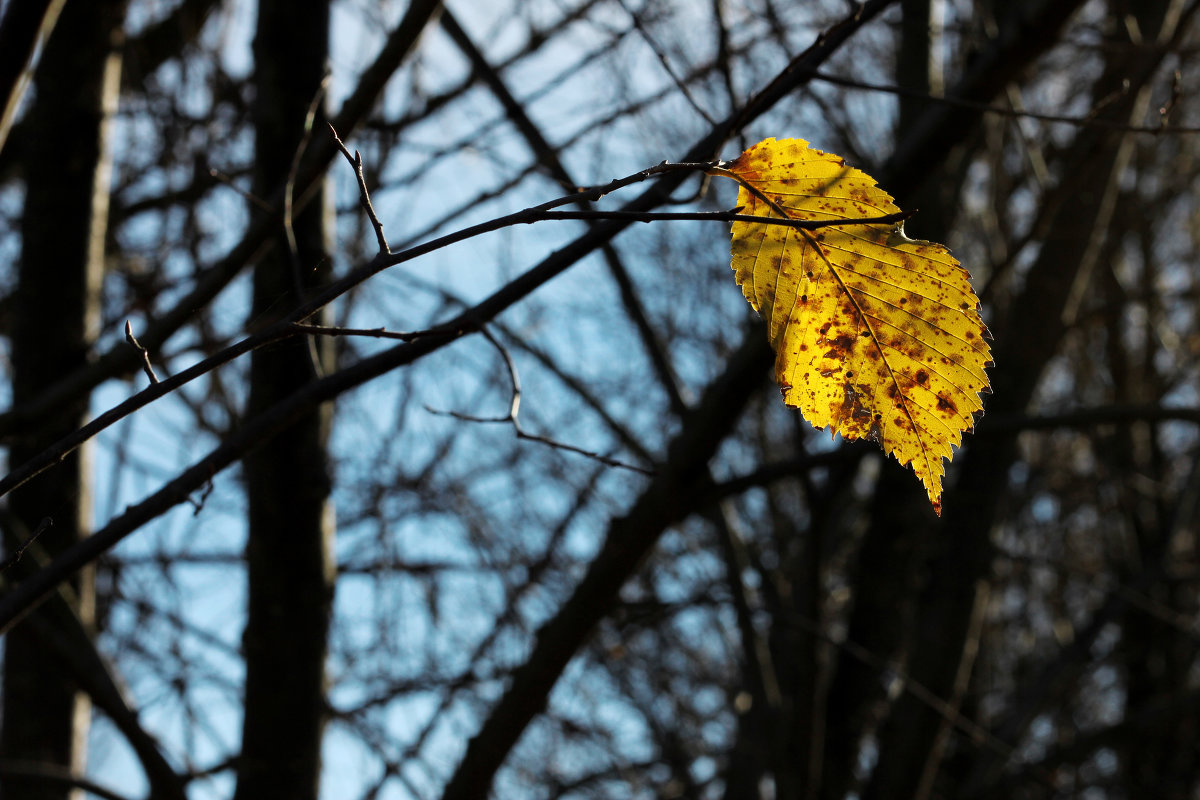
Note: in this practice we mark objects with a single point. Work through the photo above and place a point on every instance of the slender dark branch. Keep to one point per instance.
(682, 86)
(1150, 718)
(289, 186)
(1088, 120)
(921, 693)
(15, 555)
(29, 593)
(60, 631)
(676, 491)
(586, 396)
(548, 156)
(374, 333)
(54, 775)
(514, 410)
(364, 196)
(1121, 414)
(146, 367)
(287, 327)
(993, 425)
(724, 216)
(228, 180)
(259, 238)
(57, 451)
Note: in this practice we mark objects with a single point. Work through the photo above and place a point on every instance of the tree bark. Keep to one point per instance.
(67, 173)
(912, 743)
(900, 533)
(289, 550)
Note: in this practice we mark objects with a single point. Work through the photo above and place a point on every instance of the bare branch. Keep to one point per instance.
(514, 409)
(213, 280)
(15, 555)
(146, 367)
(364, 197)
(1088, 120)
(54, 775)
(289, 186)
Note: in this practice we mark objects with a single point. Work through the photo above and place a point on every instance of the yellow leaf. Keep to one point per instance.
(877, 336)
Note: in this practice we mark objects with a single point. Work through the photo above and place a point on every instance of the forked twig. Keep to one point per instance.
(514, 409)
(364, 196)
(283, 329)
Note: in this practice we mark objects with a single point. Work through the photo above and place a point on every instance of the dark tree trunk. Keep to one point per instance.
(67, 173)
(912, 743)
(289, 551)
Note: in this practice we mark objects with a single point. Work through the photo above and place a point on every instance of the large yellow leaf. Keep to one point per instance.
(878, 336)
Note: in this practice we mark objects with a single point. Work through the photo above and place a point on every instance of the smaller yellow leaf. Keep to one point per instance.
(877, 336)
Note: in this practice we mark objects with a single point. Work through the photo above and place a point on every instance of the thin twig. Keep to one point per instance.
(146, 367)
(923, 694)
(1164, 111)
(1085, 121)
(251, 197)
(197, 504)
(33, 591)
(725, 216)
(289, 187)
(15, 555)
(636, 19)
(283, 329)
(364, 196)
(257, 240)
(382, 261)
(56, 776)
(374, 333)
(514, 410)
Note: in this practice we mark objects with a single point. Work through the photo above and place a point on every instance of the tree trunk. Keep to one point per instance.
(289, 551)
(912, 743)
(67, 174)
